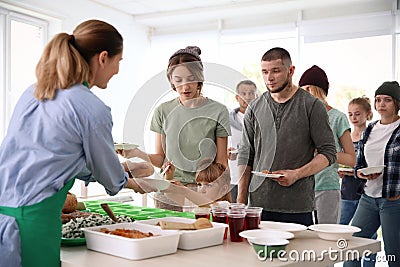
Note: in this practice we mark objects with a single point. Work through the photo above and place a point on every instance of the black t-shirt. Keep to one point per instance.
(352, 187)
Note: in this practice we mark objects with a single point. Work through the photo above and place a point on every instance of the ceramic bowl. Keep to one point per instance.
(266, 234)
(334, 232)
(269, 247)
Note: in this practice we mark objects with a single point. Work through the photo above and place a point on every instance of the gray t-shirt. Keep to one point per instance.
(190, 133)
(279, 136)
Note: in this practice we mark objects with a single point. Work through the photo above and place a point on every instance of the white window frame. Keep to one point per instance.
(6, 16)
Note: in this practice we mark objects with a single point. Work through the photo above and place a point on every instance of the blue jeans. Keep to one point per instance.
(347, 210)
(372, 213)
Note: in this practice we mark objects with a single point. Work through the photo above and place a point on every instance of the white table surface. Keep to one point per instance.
(230, 254)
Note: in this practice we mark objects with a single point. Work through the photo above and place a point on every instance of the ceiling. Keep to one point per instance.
(162, 16)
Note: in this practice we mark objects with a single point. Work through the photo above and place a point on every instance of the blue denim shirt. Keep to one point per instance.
(391, 173)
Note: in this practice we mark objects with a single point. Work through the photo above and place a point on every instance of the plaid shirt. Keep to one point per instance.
(391, 173)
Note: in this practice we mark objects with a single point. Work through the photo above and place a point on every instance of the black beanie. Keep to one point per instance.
(389, 88)
(315, 76)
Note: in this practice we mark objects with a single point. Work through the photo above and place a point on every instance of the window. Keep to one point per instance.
(354, 67)
(22, 45)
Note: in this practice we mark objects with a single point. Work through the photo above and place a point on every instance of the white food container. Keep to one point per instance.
(194, 239)
(165, 241)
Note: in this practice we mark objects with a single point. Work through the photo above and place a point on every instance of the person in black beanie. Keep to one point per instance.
(327, 182)
(379, 146)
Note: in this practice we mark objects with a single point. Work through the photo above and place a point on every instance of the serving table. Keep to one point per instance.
(306, 249)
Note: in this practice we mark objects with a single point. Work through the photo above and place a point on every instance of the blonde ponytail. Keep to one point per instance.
(65, 60)
(60, 67)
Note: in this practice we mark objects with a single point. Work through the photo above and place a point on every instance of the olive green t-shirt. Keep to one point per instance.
(190, 133)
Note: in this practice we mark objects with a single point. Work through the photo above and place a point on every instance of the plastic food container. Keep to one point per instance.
(194, 239)
(164, 242)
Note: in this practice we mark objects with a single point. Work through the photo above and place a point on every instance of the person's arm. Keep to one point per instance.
(138, 169)
(156, 159)
(178, 193)
(131, 184)
(348, 156)
(322, 136)
(243, 185)
(222, 152)
(317, 164)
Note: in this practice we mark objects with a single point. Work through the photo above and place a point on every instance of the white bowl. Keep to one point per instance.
(282, 226)
(163, 242)
(372, 169)
(334, 232)
(269, 247)
(265, 234)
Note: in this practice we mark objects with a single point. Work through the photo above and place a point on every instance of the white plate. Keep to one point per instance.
(373, 169)
(334, 232)
(195, 239)
(234, 151)
(158, 184)
(346, 169)
(126, 146)
(270, 234)
(269, 175)
(282, 226)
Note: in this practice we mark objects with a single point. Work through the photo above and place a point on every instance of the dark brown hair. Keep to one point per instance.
(190, 58)
(245, 82)
(277, 53)
(65, 59)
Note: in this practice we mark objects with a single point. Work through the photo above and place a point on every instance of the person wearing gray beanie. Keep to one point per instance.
(379, 205)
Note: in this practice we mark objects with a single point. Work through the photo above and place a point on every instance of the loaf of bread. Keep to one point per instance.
(70, 203)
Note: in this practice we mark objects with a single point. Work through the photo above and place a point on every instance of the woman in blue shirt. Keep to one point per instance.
(59, 131)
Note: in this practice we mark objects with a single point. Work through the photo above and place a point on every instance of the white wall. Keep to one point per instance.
(68, 14)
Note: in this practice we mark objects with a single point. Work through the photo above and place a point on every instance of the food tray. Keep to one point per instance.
(135, 212)
(165, 241)
(194, 239)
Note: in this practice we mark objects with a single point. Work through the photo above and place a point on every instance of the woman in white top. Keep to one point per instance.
(380, 203)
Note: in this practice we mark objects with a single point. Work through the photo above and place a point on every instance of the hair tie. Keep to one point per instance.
(71, 39)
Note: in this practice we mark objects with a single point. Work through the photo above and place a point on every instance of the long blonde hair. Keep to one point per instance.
(319, 93)
(65, 59)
